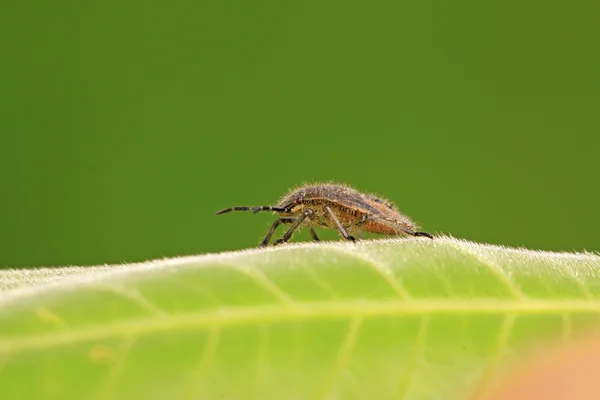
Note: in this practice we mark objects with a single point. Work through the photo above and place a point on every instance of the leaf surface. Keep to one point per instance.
(408, 318)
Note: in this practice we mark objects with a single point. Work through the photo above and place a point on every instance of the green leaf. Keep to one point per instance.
(402, 318)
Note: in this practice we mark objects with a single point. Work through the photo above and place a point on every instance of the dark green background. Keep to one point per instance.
(125, 125)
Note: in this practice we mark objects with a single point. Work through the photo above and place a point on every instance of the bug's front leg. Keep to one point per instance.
(284, 220)
(287, 235)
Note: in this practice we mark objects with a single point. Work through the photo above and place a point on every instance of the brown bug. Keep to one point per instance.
(334, 206)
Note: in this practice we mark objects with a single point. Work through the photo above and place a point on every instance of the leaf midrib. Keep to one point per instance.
(269, 314)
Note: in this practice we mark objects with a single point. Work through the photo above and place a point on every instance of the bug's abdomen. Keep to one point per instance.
(377, 227)
(349, 218)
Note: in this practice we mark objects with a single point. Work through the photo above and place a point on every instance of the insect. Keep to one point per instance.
(334, 206)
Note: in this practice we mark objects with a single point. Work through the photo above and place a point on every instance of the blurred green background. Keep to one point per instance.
(125, 125)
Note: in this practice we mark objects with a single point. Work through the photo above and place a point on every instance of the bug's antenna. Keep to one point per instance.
(396, 225)
(253, 209)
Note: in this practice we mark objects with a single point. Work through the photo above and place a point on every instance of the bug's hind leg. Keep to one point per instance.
(280, 221)
(339, 225)
(399, 227)
(287, 235)
(314, 234)
(429, 235)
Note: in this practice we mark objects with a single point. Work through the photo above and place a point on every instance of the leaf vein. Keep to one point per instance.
(342, 359)
(262, 280)
(206, 361)
(323, 284)
(269, 314)
(497, 271)
(417, 359)
(107, 391)
(132, 294)
(491, 372)
(383, 270)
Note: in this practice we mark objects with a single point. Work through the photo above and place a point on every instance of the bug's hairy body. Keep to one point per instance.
(350, 206)
(335, 206)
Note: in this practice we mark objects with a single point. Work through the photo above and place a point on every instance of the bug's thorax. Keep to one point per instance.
(321, 216)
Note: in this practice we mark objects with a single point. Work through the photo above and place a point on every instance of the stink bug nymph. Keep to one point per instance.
(334, 206)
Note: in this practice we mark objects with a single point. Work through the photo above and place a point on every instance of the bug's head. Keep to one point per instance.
(295, 204)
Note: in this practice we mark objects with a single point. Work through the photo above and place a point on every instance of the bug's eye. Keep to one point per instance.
(299, 200)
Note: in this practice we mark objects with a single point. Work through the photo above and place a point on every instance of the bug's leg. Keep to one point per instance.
(280, 221)
(428, 235)
(313, 234)
(339, 225)
(288, 234)
(399, 227)
(253, 209)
